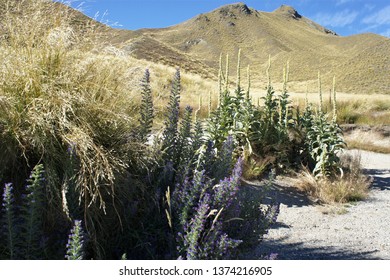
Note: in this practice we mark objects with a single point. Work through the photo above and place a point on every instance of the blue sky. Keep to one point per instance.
(346, 17)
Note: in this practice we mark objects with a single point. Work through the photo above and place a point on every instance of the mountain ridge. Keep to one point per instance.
(360, 63)
(284, 34)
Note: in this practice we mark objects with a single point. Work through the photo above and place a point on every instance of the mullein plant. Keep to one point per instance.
(267, 134)
(220, 122)
(284, 99)
(269, 137)
(234, 115)
(244, 113)
(324, 139)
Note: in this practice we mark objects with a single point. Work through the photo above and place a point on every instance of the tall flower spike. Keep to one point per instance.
(209, 103)
(239, 70)
(199, 108)
(334, 100)
(307, 96)
(249, 81)
(227, 74)
(286, 74)
(146, 108)
(220, 78)
(280, 112)
(268, 69)
(320, 92)
(75, 245)
(286, 117)
(7, 230)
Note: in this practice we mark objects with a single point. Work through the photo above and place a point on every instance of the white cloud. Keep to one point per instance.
(369, 7)
(339, 19)
(379, 18)
(342, 2)
(386, 33)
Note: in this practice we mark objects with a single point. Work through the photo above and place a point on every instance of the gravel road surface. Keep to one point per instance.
(305, 230)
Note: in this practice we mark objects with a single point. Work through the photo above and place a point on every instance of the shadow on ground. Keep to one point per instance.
(290, 196)
(300, 251)
(381, 178)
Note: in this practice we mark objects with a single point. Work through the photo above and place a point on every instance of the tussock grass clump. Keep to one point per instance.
(372, 139)
(352, 186)
(61, 99)
(363, 111)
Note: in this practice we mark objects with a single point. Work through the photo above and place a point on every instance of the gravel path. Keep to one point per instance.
(354, 231)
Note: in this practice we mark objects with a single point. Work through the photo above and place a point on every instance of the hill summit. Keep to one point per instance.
(359, 62)
(288, 11)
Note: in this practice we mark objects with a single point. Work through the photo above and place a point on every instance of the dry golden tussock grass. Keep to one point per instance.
(370, 140)
(352, 186)
(62, 93)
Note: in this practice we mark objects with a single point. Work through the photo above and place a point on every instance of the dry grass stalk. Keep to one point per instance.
(352, 186)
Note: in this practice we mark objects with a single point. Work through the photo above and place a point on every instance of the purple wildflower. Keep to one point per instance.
(227, 188)
(71, 150)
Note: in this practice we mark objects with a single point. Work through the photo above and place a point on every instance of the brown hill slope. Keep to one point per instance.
(359, 62)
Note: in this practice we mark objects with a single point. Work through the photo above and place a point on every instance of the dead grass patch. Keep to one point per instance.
(369, 140)
(352, 186)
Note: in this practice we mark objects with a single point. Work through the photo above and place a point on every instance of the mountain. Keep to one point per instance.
(361, 63)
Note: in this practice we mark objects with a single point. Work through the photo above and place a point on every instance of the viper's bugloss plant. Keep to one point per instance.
(201, 234)
(75, 245)
(185, 148)
(33, 215)
(146, 108)
(8, 232)
(22, 223)
(171, 123)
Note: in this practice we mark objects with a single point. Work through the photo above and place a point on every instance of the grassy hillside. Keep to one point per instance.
(360, 62)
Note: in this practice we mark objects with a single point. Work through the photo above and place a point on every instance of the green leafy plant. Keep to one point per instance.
(324, 140)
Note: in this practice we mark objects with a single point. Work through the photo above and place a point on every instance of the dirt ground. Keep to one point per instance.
(306, 230)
